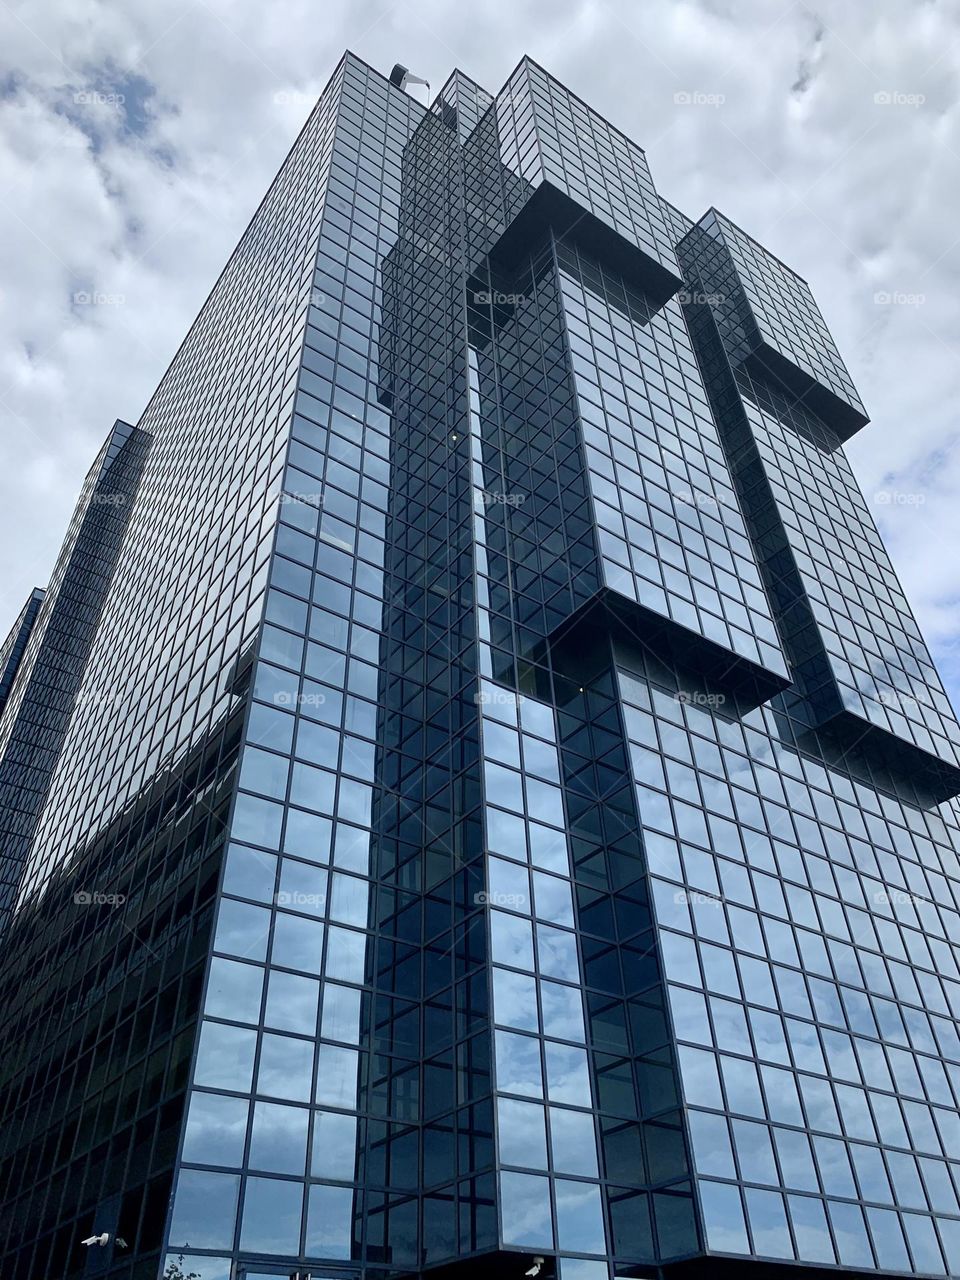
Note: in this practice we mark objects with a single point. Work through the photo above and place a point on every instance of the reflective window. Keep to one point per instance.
(216, 1129)
(278, 1142)
(204, 1209)
(272, 1212)
(525, 1201)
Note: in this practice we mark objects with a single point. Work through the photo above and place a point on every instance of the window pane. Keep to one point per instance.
(579, 1217)
(272, 1209)
(723, 1218)
(234, 990)
(522, 1133)
(279, 1138)
(225, 1057)
(768, 1224)
(216, 1130)
(286, 1067)
(334, 1146)
(711, 1145)
(292, 1003)
(568, 1077)
(573, 1142)
(525, 1200)
(518, 1064)
(204, 1209)
(330, 1221)
(810, 1228)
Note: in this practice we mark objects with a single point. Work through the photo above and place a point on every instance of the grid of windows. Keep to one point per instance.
(13, 648)
(878, 657)
(808, 928)
(104, 958)
(536, 559)
(549, 133)
(795, 480)
(784, 311)
(542, 1071)
(271, 1149)
(670, 529)
(53, 661)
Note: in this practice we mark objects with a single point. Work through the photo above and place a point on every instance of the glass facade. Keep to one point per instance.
(475, 795)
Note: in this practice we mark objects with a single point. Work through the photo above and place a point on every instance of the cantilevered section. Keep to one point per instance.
(771, 321)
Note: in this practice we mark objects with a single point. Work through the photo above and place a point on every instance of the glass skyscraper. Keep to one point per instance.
(476, 800)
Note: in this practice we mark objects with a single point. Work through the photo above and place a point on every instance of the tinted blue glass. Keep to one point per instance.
(216, 1130)
(579, 1217)
(278, 1138)
(334, 1146)
(205, 1209)
(329, 1220)
(723, 1217)
(286, 1067)
(225, 1056)
(526, 1210)
(272, 1212)
(522, 1133)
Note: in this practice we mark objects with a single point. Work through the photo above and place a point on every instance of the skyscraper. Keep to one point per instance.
(476, 799)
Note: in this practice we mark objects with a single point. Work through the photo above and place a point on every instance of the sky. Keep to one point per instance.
(137, 138)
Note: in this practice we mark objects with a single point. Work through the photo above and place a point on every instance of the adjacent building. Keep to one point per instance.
(476, 800)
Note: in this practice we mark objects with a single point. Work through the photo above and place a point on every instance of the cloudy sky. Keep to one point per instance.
(136, 139)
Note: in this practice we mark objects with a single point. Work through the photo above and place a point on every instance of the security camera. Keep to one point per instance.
(535, 1269)
(104, 1239)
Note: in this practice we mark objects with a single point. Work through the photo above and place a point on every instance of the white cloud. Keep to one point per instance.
(835, 143)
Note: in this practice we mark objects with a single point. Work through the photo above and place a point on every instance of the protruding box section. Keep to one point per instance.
(670, 531)
(862, 674)
(549, 207)
(598, 191)
(891, 749)
(719, 672)
(769, 320)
